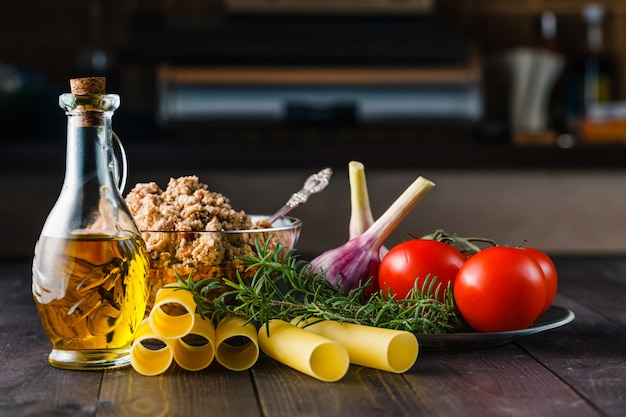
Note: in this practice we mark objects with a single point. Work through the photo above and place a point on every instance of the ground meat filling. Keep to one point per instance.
(187, 207)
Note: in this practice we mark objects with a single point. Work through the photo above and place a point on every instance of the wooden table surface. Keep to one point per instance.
(575, 370)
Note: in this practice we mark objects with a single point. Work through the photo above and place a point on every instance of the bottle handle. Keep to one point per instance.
(120, 163)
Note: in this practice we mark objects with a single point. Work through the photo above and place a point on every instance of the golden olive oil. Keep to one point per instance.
(91, 293)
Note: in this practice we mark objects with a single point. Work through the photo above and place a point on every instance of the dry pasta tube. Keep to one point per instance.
(195, 351)
(236, 344)
(168, 325)
(150, 355)
(386, 349)
(304, 351)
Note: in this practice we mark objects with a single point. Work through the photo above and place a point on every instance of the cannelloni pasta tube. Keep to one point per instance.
(304, 351)
(172, 325)
(374, 347)
(150, 354)
(195, 351)
(236, 344)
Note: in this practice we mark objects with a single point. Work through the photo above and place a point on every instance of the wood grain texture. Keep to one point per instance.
(588, 354)
(362, 392)
(576, 370)
(28, 385)
(600, 286)
(211, 392)
(492, 382)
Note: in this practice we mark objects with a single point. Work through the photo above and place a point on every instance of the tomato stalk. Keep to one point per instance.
(463, 244)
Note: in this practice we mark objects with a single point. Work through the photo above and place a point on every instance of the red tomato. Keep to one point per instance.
(416, 259)
(500, 289)
(549, 272)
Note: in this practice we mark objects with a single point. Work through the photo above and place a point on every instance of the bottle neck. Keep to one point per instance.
(89, 155)
(90, 201)
(595, 40)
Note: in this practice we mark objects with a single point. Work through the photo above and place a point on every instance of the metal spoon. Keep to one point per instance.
(314, 184)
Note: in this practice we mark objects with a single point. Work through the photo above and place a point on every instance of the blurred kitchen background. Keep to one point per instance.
(516, 109)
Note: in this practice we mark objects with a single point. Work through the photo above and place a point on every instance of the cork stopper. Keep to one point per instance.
(88, 85)
(89, 112)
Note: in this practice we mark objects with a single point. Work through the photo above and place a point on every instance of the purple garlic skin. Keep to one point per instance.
(349, 265)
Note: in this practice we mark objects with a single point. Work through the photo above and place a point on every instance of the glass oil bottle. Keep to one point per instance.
(90, 268)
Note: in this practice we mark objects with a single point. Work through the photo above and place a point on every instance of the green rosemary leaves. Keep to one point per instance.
(284, 287)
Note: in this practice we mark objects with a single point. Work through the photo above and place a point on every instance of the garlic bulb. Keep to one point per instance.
(356, 261)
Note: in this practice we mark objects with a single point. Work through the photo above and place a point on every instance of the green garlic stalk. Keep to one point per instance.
(361, 217)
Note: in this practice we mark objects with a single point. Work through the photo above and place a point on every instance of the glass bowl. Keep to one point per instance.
(201, 255)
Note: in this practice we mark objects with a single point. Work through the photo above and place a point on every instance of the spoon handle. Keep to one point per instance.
(314, 184)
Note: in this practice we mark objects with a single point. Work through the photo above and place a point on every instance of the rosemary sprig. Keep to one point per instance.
(284, 287)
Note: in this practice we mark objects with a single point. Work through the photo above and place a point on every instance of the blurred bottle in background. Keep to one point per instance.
(593, 77)
(595, 113)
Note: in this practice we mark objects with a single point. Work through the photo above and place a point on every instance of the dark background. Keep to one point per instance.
(562, 199)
